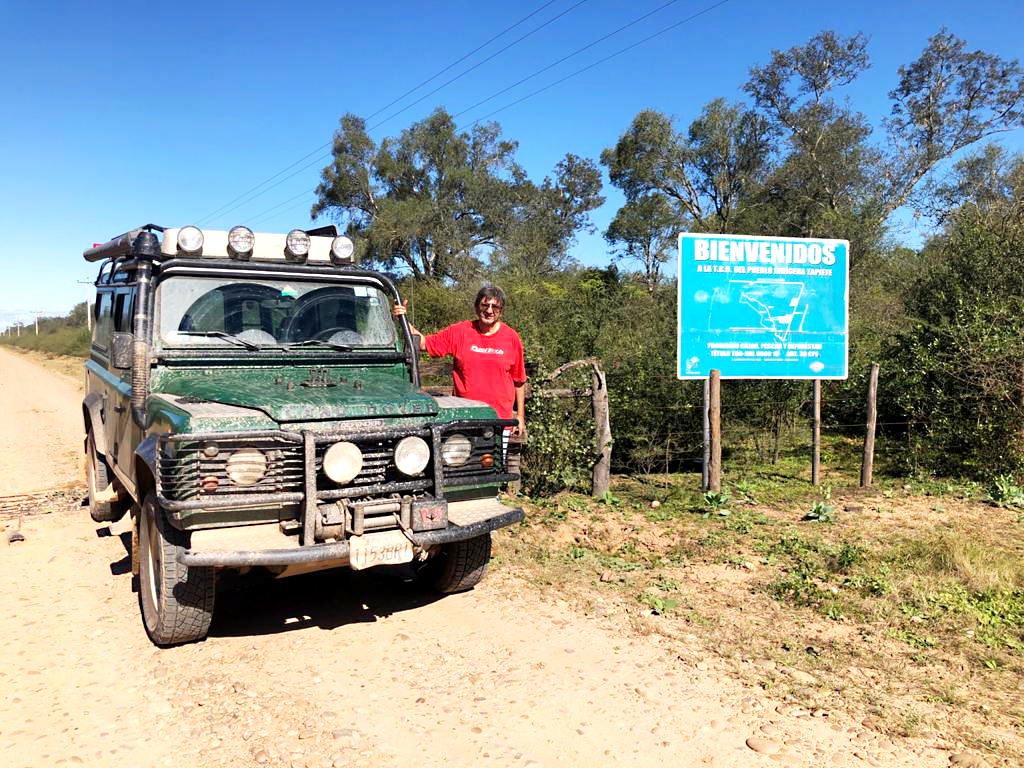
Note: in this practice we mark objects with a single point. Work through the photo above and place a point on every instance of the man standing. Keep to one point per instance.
(487, 357)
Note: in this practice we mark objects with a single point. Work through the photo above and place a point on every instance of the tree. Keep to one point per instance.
(705, 174)
(947, 100)
(439, 201)
(430, 199)
(644, 230)
(957, 372)
(543, 220)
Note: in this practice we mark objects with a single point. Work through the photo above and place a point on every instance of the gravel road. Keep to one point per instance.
(354, 669)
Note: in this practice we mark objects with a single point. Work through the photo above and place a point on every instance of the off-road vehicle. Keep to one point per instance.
(251, 401)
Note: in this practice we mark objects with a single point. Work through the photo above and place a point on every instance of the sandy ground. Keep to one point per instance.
(41, 428)
(354, 669)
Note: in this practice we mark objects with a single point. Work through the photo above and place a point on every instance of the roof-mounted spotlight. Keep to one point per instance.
(240, 243)
(342, 250)
(296, 246)
(190, 241)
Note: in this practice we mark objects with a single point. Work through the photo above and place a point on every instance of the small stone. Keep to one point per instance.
(819, 713)
(607, 577)
(344, 733)
(261, 757)
(401, 637)
(655, 504)
(967, 760)
(802, 677)
(763, 745)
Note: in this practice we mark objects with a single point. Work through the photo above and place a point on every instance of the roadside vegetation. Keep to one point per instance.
(904, 602)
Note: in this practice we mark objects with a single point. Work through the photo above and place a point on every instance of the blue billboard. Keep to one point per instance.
(763, 307)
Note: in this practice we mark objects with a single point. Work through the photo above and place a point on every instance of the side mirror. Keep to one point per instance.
(121, 349)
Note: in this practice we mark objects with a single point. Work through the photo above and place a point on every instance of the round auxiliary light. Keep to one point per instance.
(342, 250)
(412, 455)
(246, 466)
(296, 245)
(455, 451)
(342, 462)
(240, 242)
(190, 240)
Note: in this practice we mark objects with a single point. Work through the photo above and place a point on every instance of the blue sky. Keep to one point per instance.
(118, 114)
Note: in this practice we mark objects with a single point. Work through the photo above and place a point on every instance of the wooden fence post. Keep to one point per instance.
(816, 435)
(715, 419)
(602, 433)
(704, 485)
(869, 434)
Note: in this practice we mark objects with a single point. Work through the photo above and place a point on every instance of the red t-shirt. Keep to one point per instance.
(486, 368)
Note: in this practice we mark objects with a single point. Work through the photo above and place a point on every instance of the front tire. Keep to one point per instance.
(176, 600)
(460, 565)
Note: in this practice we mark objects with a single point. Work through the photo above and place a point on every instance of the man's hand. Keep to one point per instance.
(519, 430)
(398, 310)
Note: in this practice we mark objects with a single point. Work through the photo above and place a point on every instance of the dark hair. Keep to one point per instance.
(489, 292)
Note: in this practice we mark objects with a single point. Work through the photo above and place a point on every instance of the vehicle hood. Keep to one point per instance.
(303, 394)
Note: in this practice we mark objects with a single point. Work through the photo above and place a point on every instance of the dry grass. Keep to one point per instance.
(909, 607)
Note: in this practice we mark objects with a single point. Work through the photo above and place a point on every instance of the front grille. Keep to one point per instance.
(183, 465)
(378, 464)
(472, 470)
(182, 471)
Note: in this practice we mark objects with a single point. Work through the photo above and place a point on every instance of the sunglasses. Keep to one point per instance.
(495, 307)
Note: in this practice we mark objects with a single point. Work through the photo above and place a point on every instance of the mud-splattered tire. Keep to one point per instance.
(176, 600)
(460, 565)
(97, 477)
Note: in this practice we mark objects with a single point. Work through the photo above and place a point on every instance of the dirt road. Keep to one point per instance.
(40, 427)
(346, 669)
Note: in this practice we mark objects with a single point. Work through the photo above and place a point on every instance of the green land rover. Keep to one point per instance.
(252, 402)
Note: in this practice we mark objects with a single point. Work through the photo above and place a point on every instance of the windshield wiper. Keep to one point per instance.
(317, 343)
(221, 335)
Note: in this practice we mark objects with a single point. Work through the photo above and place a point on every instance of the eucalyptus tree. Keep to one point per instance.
(440, 201)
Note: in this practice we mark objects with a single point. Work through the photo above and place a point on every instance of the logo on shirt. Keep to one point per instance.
(487, 350)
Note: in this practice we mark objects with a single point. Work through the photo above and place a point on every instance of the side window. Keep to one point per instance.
(101, 331)
(124, 305)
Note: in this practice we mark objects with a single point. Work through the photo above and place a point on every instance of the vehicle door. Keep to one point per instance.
(126, 434)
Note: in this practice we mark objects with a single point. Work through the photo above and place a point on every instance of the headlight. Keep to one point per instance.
(296, 245)
(342, 462)
(190, 240)
(456, 450)
(246, 466)
(342, 249)
(240, 242)
(412, 455)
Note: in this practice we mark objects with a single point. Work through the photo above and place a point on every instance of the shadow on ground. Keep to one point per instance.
(257, 604)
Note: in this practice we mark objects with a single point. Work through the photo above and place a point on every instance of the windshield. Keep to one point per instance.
(222, 312)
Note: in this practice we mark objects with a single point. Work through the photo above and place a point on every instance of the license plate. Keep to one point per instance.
(387, 548)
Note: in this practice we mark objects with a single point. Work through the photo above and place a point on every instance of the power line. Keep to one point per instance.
(462, 59)
(395, 101)
(569, 56)
(603, 60)
(465, 72)
(529, 95)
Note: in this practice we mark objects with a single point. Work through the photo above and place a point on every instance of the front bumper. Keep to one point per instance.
(266, 545)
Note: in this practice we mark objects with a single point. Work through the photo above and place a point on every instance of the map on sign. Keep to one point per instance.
(761, 307)
(770, 299)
